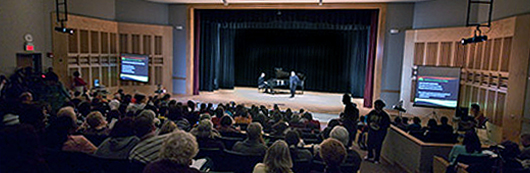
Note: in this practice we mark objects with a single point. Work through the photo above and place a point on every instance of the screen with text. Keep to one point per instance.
(437, 90)
(134, 67)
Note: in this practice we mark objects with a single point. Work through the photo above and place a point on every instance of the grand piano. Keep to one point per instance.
(281, 81)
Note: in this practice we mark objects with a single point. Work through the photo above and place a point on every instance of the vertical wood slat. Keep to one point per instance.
(419, 51)
(72, 42)
(490, 105)
(478, 55)
(460, 55)
(499, 110)
(431, 53)
(83, 37)
(497, 43)
(487, 55)
(506, 51)
(471, 56)
(445, 54)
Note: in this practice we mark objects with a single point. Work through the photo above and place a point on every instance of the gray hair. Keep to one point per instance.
(180, 147)
(341, 134)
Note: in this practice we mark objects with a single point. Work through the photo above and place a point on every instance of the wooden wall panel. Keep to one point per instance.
(490, 105)
(497, 45)
(506, 51)
(431, 55)
(471, 56)
(73, 38)
(499, 109)
(94, 42)
(487, 55)
(460, 55)
(478, 55)
(105, 42)
(445, 54)
(83, 37)
(419, 52)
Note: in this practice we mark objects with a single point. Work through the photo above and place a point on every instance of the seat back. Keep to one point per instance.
(238, 162)
(63, 161)
(476, 163)
(115, 165)
(230, 141)
(302, 166)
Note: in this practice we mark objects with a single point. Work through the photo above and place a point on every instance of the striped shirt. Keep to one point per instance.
(146, 151)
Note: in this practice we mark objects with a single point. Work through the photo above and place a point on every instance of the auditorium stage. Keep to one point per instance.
(324, 106)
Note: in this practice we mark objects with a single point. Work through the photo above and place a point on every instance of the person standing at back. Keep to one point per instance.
(378, 122)
(293, 82)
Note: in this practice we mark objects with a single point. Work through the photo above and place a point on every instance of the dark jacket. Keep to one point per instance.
(252, 147)
(116, 148)
(378, 121)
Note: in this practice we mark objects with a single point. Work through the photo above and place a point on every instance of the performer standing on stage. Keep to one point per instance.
(293, 82)
(378, 122)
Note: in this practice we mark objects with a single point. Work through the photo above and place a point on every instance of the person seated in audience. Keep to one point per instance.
(227, 126)
(311, 123)
(331, 124)
(59, 134)
(191, 114)
(120, 142)
(95, 128)
(333, 154)
(471, 146)
(242, 118)
(341, 134)
(361, 139)
(206, 135)
(444, 127)
(525, 142)
(176, 154)
(509, 156)
(167, 127)
(217, 115)
(292, 137)
(114, 104)
(415, 126)
(140, 101)
(146, 151)
(478, 116)
(432, 126)
(398, 122)
(254, 144)
(20, 150)
(405, 120)
(277, 159)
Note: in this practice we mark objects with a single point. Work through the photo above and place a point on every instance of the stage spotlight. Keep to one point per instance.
(475, 39)
(64, 30)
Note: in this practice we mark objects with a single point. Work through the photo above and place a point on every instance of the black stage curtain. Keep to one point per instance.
(329, 46)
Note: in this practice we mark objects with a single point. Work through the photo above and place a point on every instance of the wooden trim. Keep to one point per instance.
(390, 91)
(178, 78)
(378, 66)
(417, 141)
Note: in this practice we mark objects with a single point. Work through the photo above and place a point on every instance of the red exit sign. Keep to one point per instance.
(29, 47)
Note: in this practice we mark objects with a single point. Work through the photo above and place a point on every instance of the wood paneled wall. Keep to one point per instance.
(95, 47)
(487, 68)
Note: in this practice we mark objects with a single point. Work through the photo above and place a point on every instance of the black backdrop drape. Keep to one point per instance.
(329, 46)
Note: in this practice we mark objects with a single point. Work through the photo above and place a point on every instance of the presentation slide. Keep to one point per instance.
(134, 67)
(437, 90)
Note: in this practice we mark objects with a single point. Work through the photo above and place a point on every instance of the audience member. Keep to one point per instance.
(277, 159)
(341, 134)
(333, 154)
(176, 154)
(398, 122)
(59, 137)
(432, 126)
(79, 84)
(378, 122)
(292, 137)
(254, 144)
(167, 127)
(206, 135)
(525, 142)
(415, 126)
(139, 103)
(146, 151)
(470, 146)
(242, 118)
(509, 155)
(95, 128)
(120, 142)
(361, 139)
(478, 116)
(311, 123)
(331, 124)
(227, 126)
(444, 127)
(350, 118)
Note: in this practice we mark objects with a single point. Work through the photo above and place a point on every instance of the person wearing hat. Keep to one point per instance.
(378, 122)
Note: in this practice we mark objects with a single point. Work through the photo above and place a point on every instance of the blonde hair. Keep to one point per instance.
(180, 147)
(168, 127)
(278, 158)
(94, 119)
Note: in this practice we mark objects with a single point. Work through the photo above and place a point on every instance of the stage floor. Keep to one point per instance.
(324, 106)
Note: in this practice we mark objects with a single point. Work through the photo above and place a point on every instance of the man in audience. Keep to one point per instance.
(378, 122)
(95, 127)
(341, 134)
(444, 127)
(479, 117)
(254, 143)
(146, 151)
(177, 152)
(206, 135)
(415, 126)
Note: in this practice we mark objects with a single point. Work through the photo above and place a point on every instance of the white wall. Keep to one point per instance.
(178, 17)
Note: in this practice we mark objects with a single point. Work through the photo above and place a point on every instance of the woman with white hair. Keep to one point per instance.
(176, 154)
(207, 136)
(277, 159)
